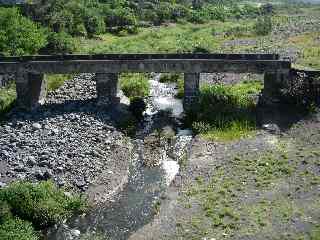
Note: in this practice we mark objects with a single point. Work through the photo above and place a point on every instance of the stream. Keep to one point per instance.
(134, 206)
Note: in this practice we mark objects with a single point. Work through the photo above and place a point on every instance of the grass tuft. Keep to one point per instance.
(54, 81)
(224, 112)
(7, 98)
(17, 229)
(135, 85)
(42, 204)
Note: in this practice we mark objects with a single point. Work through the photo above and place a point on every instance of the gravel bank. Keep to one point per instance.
(69, 140)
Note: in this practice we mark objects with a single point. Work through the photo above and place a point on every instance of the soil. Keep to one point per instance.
(180, 212)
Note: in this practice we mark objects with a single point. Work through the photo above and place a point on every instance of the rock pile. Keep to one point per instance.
(69, 140)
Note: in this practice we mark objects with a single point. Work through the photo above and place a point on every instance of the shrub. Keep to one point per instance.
(238, 31)
(60, 42)
(135, 85)
(54, 81)
(19, 35)
(16, 229)
(263, 26)
(7, 98)
(199, 17)
(42, 204)
(167, 77)
(120, 17)
(5, 212)
(80, 30)
(180, 93)
(94, 24)
(224, 112)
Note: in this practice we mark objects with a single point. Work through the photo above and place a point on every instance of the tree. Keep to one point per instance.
(19, 35)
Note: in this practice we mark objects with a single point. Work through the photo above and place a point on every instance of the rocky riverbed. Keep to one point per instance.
(69, 140)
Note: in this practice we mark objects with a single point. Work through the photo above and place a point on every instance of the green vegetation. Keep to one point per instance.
(18, 34)
(14, 229)
(135, 85)
(60, 43)
(225, 112)
(24, 206)
(7, 98)
(8, 94)
(170, 78)
(54, 81)
(310, 49)
(263, 26)
(245, 196)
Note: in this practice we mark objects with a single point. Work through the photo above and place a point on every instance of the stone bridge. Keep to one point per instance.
(31, 86)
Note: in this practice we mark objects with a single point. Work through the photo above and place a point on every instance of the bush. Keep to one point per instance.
(263, 26)
(16, 229)
(224, 112)
(94, 24)
(135, 85)
(60, 42)
(54, 81)
(5, 212)
(42, 204)
(7, 98)
(167, 77)
(19, 35)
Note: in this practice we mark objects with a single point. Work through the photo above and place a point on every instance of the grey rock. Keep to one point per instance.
(272, 128)
(2, 185)
(20, 168)
(48, 174)
(39, 175)
(80, 183)
(36, 126)
(31, 161)
(60, 182)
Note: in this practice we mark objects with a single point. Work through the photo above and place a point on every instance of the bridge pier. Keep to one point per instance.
(274, 82)
(107, 88)
(191, 89)
(31, 90)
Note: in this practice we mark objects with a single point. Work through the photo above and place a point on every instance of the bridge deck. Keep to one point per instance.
(140, 57)
(117, 63)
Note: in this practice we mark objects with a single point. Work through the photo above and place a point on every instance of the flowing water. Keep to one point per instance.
(134, 206)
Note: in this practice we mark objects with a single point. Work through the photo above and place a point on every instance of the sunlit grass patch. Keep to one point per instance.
(135, 85)
(235, 130)
(170, 78)
(176, 38)
(42, 204)
(54, 81)
(225, 112)
(7, 98)
(309, 45)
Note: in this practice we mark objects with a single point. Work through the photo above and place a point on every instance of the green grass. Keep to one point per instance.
(41, 204)
(7, 98)
(54, 81)
(170, 78)
(224, 112)
(309, 45)
(17, 229)
(8, 94)
(243, 198)
(165, 39)
(135, 85)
